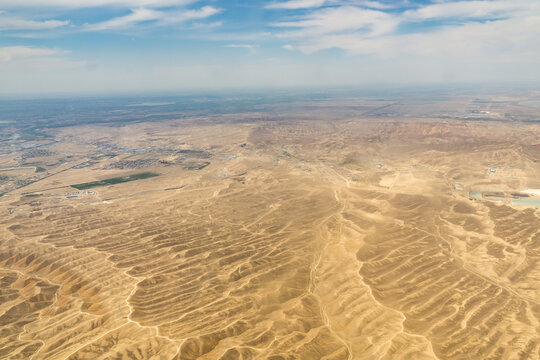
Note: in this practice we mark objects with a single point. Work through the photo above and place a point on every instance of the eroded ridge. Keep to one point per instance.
(246, 272)
(316, 240)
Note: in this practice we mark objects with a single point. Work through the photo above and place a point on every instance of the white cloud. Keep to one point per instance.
(241, 46)
(76, 4)
(12, 23)
(288, 47)
(28, 69)
(507, 31)
(373, 4)
(202, 13)
(252, 48)
(136, 16)
(158, 12)
(160, 17)
(211, 25)
(308, 4)
(340, 19)
(296, 4)
(512, 40)
(10, 53)
(469, 9)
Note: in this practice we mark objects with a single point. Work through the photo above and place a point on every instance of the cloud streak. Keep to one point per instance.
(469, 10)
(252, 48)
(296, 4)
(78, 4)
(241, 46)
(309, 4)
(11, 53)
(162, 18)
(345, 18)
(13, 23)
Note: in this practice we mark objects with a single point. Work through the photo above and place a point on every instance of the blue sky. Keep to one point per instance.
(161, 45)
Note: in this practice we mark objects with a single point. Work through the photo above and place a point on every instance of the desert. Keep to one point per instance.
(329, 231)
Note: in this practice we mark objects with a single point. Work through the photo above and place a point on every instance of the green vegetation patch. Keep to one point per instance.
(35, 163)
(115, 180)
(4, 177)
(104, 156)
(198, 166)
(40, 169)
(193, 152)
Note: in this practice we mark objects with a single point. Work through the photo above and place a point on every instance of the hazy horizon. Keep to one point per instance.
(367, 90)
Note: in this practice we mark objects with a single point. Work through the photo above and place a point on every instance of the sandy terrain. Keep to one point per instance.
(348, 239)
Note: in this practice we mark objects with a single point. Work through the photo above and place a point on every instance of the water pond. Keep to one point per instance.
(526, 202)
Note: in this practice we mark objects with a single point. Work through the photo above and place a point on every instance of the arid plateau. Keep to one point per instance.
(350, 229)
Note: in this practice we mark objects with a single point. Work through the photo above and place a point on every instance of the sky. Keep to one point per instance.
(107, 46)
